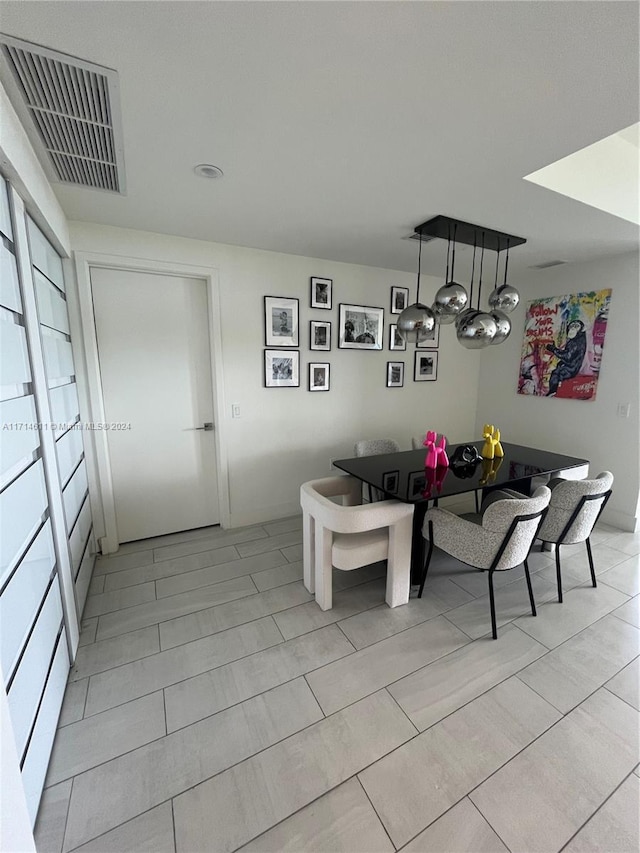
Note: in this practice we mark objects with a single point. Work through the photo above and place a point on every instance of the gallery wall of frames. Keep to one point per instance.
(357, 327)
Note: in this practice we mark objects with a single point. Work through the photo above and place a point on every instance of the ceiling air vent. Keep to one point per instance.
(547, 264)
(71, 110)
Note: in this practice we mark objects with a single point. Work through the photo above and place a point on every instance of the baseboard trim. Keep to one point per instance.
(260, 516)
(621, 520)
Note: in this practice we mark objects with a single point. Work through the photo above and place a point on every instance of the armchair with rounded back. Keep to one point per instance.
(498, 540)
(349, 535)
(375, 447)
(574, 509)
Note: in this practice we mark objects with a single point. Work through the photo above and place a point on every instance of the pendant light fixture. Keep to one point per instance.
(452, 298)
(416, 321)
(476, 329)
(503, 323)
(504, 298)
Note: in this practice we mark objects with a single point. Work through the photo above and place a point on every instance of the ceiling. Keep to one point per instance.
(340, 126)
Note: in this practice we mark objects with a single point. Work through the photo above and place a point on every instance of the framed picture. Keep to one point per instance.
(281, 368)
(433, 339)
(417, 483)
(390, 482)
(396, 341)
(399, 299)
(395, 374)
(426, 367)
(318, 376)
(319, 335)
(360, 327)
(321, 292)
(280, 322)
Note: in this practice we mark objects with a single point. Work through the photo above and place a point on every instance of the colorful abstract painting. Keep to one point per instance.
(562, 346)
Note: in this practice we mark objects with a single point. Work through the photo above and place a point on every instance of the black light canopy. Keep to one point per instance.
(445, 227)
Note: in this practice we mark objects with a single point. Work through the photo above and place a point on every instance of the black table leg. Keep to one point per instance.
(417, 542)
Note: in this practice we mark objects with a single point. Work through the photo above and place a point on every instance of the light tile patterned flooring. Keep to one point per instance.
(214, 707)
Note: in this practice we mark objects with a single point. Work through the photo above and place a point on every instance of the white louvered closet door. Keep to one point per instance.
(65, 414)
(33, 643)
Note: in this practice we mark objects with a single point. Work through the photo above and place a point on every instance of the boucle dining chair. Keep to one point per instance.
(351, 535)
(497, 540)
(574, 509)
(375, 447)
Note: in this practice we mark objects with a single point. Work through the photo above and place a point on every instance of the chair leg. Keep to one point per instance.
(308, 552)
(558, 574)
(399, 562)
(323, 567)
(593, 571)
(494, 629)
(427, 561)
(531, 599)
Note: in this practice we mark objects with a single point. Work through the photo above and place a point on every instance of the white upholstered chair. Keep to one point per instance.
(375, 447)
(352, 535)
(498, 540)
(574, 508)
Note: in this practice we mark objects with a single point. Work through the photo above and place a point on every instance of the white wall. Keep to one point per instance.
(590, 429)
(288, 435)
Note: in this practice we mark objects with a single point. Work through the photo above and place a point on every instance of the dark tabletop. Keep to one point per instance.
(404, 477)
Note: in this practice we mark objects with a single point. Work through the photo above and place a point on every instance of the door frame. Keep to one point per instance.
(92, 391)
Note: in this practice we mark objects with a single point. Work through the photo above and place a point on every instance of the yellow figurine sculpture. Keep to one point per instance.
(488, 449)
(497, 450)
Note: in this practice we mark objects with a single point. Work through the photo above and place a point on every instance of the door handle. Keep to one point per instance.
(208, 427)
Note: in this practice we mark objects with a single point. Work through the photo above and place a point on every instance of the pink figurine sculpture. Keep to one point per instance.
(442, 458)
(436, 453)
(431, 460)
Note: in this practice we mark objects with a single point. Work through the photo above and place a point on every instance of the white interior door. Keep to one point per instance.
(155, 363)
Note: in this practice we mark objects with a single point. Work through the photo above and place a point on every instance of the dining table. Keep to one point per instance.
(403, 476)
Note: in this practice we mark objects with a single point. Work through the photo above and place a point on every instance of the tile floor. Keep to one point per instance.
(214, 707)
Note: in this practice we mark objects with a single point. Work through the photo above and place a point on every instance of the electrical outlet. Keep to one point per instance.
(624, 409)
(235, 410)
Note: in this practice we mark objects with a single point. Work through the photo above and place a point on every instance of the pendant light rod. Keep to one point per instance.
(453, 257)
(481, 267)
(419, 269)
(473, 270)
(506, 262)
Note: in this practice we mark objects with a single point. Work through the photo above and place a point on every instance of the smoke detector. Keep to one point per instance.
(206, 170)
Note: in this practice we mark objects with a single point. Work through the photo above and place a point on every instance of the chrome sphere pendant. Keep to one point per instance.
(466, 316)
(415, 323)
(504, 298)
(477, 331)
(503, 325)
(441, 317)
(451, 299)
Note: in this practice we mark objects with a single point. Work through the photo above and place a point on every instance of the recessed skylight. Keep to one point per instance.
(605, 175)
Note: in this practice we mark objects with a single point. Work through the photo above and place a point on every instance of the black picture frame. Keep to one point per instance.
(396, 341)
(281, 321)
(319, 376)
(281, 368)
(417, 484)
(390, 482)
(321, 292)
(318, 340)
(426, 366)
(433, 339)
(395, 374)
(399, 299)
(360, 327)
